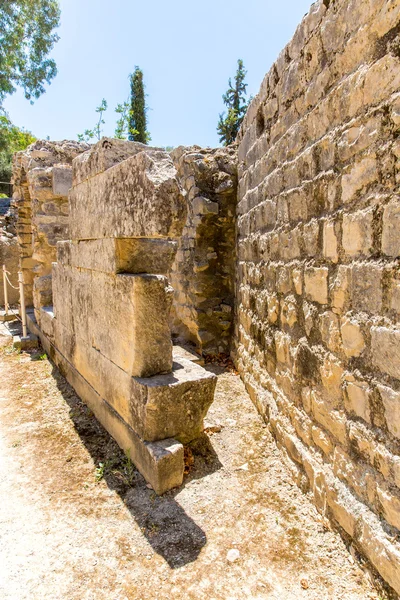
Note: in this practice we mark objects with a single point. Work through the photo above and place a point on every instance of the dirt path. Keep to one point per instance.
(64, 535)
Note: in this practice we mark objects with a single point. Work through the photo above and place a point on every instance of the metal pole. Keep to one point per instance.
(22, 302)
(5, 290)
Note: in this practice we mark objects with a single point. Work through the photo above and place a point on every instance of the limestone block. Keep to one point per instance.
(330, 331)
(359, 176)
(282, 346)
(172, 405)
(390, 504)
(391, 229)
(62, 180)
(139, 197)
(352, 337)
(113, 255)
(383, 554)
(391, 402)
(42, 291)
(40, 182)
(273, 308)
(331, 373)
(204, 206)
(102, 156)
(333, 420)
(129, 321)
(385, 349)
(311, 235)
(330, 244)
(357, 398)
(321, 439)
(142, 255)
(357, 233)
(161, 462)
(316, 284)
(297, 278)
(366, 287)
(289, 311)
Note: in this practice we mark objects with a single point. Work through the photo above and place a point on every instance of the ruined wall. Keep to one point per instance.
(203, 272)
(318, 283)
(108, 327)
(42, 176)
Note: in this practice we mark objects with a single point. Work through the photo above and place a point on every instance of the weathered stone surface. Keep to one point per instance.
(102, 156)
(316, 284)
(124, 316)
(319, 173)
(42, 177)
(115, 255)
(202, 274)
(62, 181)
(391, 402)
(391, 229)
(139, 197)
(352, 337)
(175, 404)
(385, 348)
(161, 462)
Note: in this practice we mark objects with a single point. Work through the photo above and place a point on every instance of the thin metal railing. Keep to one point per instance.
(20, 287)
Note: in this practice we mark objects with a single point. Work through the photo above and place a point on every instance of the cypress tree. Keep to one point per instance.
(137, 114)
(236, 102)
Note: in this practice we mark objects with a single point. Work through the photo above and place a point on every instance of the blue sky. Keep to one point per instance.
(187, 51)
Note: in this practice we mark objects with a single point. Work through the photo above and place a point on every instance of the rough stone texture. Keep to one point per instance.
(203, 272)
(318, 298)
(140, 197)
(42, 176)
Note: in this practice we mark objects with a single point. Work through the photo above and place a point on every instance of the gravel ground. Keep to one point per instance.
(77, 521)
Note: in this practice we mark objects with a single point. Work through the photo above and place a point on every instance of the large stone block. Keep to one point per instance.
(62, 180)
(316, 284)
(391, 229)
(114, 255)
(173, 405)
(139, 197)
(385, 348)
(102, 156)
(123, 316)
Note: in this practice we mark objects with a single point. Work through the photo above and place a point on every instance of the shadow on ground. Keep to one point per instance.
(169, 530)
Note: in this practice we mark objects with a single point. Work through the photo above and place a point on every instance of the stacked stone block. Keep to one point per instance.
(108, 328)
(318, 309)
(203, 272)
(42, 177)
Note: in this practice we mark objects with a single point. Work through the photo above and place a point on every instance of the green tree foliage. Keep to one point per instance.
(26, 38)
(122, 128)
(236, 102)
(12, 139)
(97, 131)
(138, 111)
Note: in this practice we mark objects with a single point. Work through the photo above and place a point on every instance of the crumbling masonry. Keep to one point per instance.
(287, 256)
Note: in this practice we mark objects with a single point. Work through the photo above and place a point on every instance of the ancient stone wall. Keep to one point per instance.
(318, 283)
(42, 177)
(203, 272)
(108, 325)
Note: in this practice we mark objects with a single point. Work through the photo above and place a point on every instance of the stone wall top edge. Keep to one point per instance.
(308, 24)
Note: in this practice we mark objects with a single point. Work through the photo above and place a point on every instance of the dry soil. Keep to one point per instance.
(78, 522)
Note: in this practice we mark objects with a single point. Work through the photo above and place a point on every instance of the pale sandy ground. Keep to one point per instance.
(65, 536)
